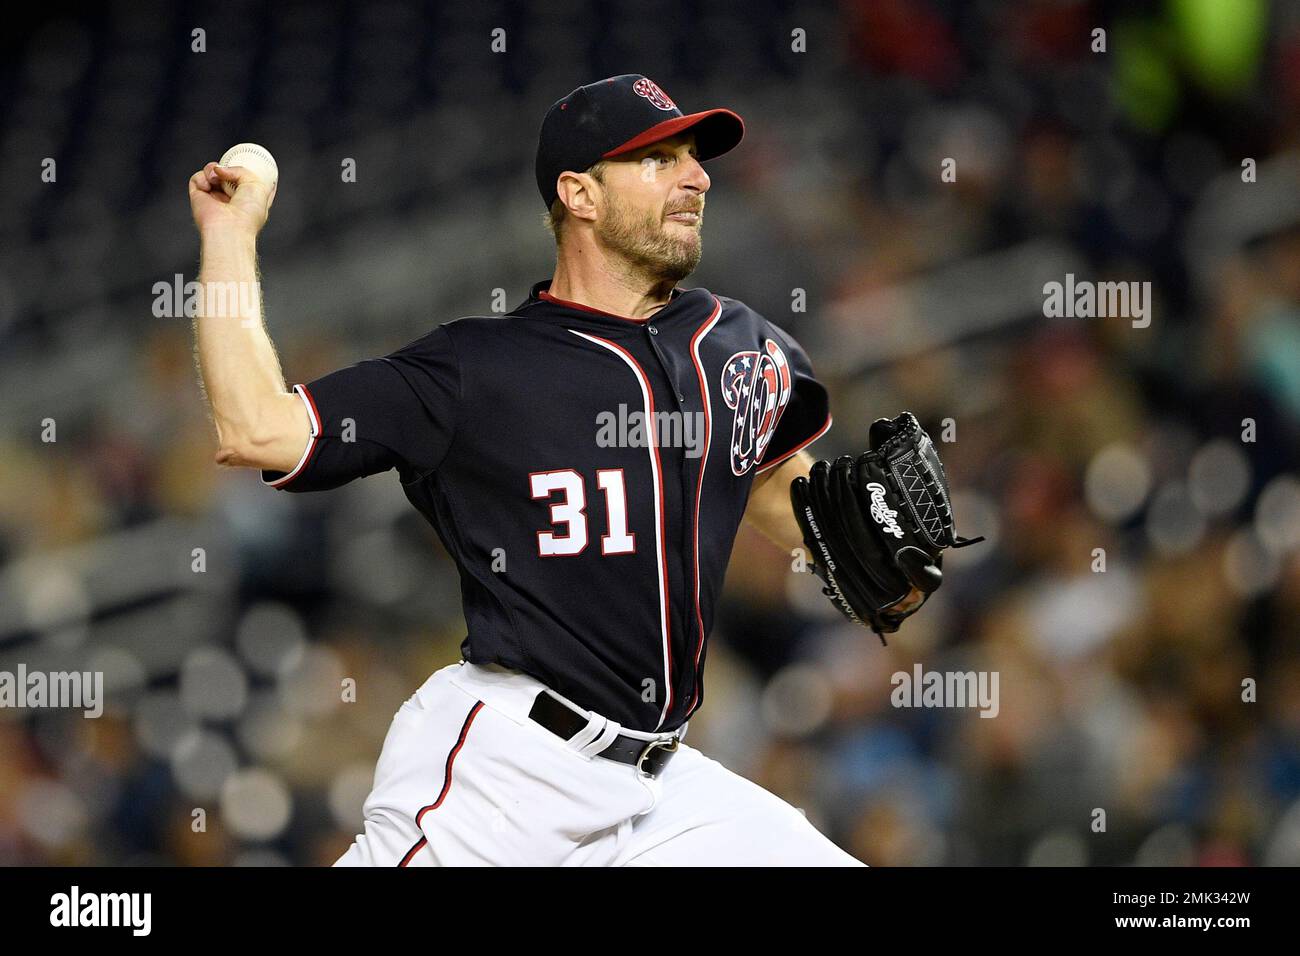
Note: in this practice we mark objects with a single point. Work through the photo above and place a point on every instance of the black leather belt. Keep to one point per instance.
(648, 756)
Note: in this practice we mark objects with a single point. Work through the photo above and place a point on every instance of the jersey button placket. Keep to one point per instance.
(654, 331)
(688, 491)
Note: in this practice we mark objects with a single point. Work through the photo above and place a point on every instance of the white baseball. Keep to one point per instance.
(256, 159)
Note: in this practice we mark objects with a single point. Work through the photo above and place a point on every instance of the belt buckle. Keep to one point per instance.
(669, 745)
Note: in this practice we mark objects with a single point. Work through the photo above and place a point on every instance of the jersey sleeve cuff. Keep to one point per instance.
(767, 465)
(278, 479)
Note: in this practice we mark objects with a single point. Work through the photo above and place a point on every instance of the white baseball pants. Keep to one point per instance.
(467, 779)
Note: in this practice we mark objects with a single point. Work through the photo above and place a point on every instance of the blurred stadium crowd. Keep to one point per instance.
(1175, 447)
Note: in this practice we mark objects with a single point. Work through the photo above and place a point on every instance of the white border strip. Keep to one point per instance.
(699, 486)
(314, 419)
(653, 448)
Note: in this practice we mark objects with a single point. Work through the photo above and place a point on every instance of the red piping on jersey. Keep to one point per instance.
(659, 491)
(797, 448)
(586, 308)
(702, 331)
(313, 441)
(446, 781)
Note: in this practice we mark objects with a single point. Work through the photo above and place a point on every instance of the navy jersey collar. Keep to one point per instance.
(537, 304)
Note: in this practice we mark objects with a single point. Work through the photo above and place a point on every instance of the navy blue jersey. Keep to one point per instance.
(588, 474)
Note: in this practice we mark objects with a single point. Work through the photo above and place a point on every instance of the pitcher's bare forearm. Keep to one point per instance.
(769, 508)
(259, 423)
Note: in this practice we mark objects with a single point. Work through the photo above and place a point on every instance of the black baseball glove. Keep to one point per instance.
(877, 525)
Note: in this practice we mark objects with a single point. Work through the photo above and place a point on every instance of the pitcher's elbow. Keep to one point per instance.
(240, 448)
(234, 453)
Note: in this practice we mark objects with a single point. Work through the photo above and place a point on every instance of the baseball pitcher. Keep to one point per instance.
(558, 739)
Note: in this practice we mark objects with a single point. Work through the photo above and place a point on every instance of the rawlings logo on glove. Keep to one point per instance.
(870, 567)
(880, 511)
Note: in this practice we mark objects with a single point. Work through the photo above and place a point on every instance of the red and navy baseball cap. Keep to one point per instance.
(617, 115)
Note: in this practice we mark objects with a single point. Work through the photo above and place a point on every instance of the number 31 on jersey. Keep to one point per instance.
(571, 512)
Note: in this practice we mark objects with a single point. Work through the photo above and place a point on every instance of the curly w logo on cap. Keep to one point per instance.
(651, 91)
